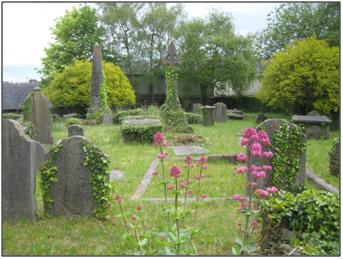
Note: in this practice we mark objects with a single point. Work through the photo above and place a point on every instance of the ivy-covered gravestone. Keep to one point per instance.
(172, 114)
(75, 179)
(334, 158)
(289, 155)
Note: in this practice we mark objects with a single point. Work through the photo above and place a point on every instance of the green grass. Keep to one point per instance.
(217, 219)
(318, 158)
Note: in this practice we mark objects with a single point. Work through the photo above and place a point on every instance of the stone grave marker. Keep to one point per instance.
(107, 118)
(21, 157)
(260, 118)
(41, 117)
(271, 126)
(234, 114)
(220, 112)
(189, 150)
(207, 115)
(72, 193)
(96, 78)
(197, 108)
(75, 130)
(317, 127)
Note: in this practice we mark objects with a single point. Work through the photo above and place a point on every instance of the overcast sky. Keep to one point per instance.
(26, 30)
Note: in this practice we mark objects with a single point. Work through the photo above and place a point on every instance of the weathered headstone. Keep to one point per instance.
(21, 157)
(334, 158)
(75, 130)
(72, 193)
(260, 118)
(197, 108)
(96, 78)
(270, 127)
(220, 112)
(317, 126)
(107, 118)
(41, 117)
(207, 115)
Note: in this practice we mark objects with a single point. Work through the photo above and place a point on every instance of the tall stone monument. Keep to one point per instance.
(41, 117)
(96, 78)
(21, 157)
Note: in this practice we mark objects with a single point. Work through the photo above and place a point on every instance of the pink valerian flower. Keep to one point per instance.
(253, 185)
(256, 149)
(162, 155)
(242, 158)
(199, 177)
(159, 139)
(118, 198)
(244, 141)
(272, 189)
(205, 196)
(183, 185)
(254, 224)
(188, 160)
(170, 187)
(238, 197)
(267, 167)
(267, 154)
(255, 168)
(249, 132)
(242, 169)
(175, 172)
(264, 139)
(259, 174)
(202, 160)
(262, 193)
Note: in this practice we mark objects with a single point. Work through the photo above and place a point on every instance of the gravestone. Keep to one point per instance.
(107, 118)
(197, 108)
(41, 117)
(207, 115)
(220, 112)
(334, 158)
(260, 118)
(96, 78)
(75, 130)
(270, 127)
(317, 126)
(72, 193)
(21, 157)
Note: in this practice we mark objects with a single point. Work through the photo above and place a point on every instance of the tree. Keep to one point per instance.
(74, 34)
(212, 52)
(71, 87)
(294, 21)
(302, 78)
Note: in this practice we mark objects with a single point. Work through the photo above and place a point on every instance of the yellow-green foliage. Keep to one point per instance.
(305, 75)
(71, 87)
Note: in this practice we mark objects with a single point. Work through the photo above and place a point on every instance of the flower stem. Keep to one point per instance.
(198, 194)
(186, 190)
(246, 227)
(176, 218)
(122, 214)
(164, 177)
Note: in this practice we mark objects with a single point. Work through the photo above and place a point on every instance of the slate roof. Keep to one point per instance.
(13, 94)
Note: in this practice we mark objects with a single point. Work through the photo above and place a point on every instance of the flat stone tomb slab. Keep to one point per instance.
(189, 150)
(310, 119)
(142, 121)
(116, 175)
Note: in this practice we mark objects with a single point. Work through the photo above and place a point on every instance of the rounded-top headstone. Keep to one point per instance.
(220, 112)
(37, 88)
(75, 130)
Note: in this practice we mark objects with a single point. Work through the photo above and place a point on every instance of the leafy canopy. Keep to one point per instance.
(71, 87)
(303, 77)
(293, 21)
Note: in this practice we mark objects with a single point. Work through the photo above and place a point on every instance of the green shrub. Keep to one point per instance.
(313, 215)
(141, 133)
(304, 77)
(193, 118)
(70, 121)
(72, 86)
(153, 110)
(95, 116)
(119, 116)
(11, 116)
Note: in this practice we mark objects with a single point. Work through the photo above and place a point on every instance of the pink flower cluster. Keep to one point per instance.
(175, 172)
(159, 139)
(255, 141)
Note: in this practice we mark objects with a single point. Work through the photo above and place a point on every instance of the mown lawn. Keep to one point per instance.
(217, 220)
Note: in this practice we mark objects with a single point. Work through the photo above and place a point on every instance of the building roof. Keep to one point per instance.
(13, 94)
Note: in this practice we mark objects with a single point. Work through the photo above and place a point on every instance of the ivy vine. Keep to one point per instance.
(98, 164)
(47, 171)
(26, 107)
(288, 144)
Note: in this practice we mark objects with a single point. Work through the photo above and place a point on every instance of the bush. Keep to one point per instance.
(142, 133)
(71, 87)
(302, 78)
(153, 110)
(312, 215)
(70, 121)
(119, 116)
(193, 118)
